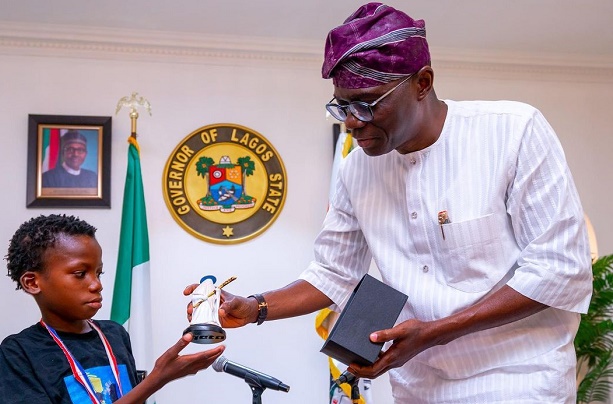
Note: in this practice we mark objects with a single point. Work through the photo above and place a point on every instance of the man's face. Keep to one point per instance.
(74, 154)
(394, 121)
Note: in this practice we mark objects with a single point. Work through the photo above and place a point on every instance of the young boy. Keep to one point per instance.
(67, 357)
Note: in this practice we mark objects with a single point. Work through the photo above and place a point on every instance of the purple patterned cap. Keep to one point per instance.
(375, 45)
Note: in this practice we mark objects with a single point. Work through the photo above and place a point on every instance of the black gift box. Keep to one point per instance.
(373, 306)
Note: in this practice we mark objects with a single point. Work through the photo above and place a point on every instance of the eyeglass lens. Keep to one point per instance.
(360, 110)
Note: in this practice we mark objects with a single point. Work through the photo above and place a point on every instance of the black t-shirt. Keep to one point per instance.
(33, 368)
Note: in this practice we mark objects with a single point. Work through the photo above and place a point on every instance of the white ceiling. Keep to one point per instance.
(558, 27)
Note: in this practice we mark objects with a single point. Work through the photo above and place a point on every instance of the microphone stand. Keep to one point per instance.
(256, 388)
(352, 381)
(355, 391)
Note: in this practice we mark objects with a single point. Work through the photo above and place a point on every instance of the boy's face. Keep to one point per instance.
(68, 289)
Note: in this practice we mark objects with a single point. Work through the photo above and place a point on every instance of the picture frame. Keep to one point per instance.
(69, 161)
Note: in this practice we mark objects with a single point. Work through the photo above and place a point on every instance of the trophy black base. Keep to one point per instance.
(206, 333)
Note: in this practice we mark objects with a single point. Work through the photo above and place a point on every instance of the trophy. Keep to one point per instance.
(205, 325)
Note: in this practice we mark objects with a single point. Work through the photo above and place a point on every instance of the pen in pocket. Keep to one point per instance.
(443, 218)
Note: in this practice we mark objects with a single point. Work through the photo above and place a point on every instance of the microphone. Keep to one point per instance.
(221, 364)
(345, 377)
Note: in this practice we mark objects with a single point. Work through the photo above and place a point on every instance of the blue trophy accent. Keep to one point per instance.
(211, 277)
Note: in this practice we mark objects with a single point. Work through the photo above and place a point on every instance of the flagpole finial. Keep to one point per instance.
(133, 102)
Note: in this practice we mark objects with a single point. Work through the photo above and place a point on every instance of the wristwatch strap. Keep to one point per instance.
(262, 307)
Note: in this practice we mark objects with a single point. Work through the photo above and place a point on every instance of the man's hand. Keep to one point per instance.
(234, 311)
(190, 307)
(408, 339)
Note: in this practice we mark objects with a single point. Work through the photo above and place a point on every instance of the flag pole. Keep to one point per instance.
(133, 118)
(131, 305)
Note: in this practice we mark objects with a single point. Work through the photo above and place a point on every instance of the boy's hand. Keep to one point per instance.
(171, 365)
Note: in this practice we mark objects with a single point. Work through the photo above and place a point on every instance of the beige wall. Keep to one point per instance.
(281, 96)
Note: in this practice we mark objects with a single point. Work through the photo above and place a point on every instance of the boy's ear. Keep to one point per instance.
(29, 282)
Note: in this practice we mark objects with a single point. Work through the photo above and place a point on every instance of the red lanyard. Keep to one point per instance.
(77, 369)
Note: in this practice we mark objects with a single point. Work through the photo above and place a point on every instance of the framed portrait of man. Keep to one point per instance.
(69, 161)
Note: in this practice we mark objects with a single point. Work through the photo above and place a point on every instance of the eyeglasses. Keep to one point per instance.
(75, 150)
(359, 109)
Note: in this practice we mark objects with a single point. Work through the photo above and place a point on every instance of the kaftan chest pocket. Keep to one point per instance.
(473, 254)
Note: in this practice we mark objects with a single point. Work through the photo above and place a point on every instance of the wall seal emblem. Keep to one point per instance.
(225, 183)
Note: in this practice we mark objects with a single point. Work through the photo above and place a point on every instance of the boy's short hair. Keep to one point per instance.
(34, 237)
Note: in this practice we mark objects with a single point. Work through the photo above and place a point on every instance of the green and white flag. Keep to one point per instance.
(131, 305)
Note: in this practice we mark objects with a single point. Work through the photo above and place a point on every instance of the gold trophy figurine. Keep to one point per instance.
(205, 325)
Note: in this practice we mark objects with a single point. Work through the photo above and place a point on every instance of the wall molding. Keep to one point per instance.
(157, 46)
